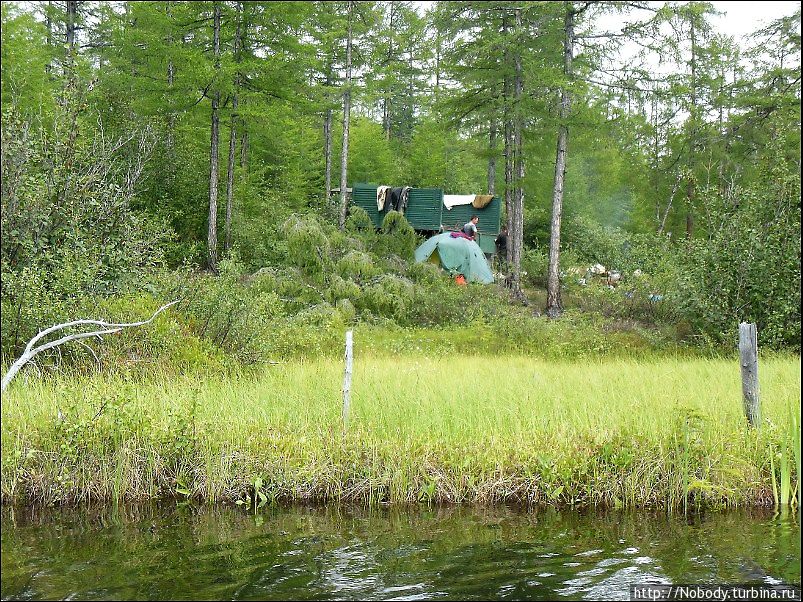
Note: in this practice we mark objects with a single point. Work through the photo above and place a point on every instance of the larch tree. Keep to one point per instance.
(237, 49)
(211, 240)
(344, 149)
(554, 305)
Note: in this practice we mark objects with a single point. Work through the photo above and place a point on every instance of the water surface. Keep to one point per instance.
(342, 553)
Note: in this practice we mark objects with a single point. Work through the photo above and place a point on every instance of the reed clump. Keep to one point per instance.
(667, 433)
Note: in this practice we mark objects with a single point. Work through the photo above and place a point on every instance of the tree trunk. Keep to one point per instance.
(437, 62)
(508, 149)
(69, 62)
(72, 13)
(386, 103)
(689, 207)
(232, 135)
(517, 233)
(170, 139)
(49, 24)
(655, 156)
(344, 154)
(327, 155)
(410, 108)
(554, 307)
(230, 175)
(492, 157)
(213, 155)
(244, 150)
(243, 161)
(662, 224)
(692, 134)
(386, 116)
(508, 177)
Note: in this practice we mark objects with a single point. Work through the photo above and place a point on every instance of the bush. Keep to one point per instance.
(226, 310)
(68, 228)
(165, 342)
(307, 244)
(342, 289)
(399, 237)
(444, 303)
(425, 273)
(388, 296)
(357, 266)
(535, 262)
(358, 220)
(748, 269)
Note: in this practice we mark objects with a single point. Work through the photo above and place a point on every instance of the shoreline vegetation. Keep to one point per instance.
(664, 433)
(598, 370)
(460, 394)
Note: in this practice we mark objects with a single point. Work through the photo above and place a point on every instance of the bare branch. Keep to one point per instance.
(105, 328)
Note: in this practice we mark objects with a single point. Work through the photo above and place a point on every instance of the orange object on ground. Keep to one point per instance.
(460, 280)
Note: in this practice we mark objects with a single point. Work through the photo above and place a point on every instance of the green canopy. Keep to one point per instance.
(458, 255)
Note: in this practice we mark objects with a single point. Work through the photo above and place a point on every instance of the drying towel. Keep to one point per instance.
(394, 198)
(381, 194)
(482, 200)
(452, 200)
(403, 200)
(460, 235)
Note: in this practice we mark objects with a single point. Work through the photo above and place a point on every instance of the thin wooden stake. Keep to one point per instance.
(347, 379)
(748, 358)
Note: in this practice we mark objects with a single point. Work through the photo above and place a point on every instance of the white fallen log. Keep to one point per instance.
(105, 328)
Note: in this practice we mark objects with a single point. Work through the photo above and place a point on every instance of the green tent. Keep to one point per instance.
(457, 255)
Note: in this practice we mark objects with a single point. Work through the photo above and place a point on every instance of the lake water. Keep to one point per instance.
(412, 553)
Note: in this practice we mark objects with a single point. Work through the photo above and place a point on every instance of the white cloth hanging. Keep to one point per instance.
(452, 200)
(381, 194)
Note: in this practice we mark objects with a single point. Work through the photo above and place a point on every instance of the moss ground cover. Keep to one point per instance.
(626, 432)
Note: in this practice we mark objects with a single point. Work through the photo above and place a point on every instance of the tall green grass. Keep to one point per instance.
(667, 433)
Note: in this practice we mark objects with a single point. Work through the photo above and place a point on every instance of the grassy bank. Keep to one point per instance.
(457, 428)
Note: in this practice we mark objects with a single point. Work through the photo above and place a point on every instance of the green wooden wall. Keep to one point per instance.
(425, 211)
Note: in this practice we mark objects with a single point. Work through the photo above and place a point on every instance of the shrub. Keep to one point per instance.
(399, 237)
(347, 311)
(748, 268)
(342, 289)
(69, 231)
(424, 272)
(593, 242)
(165, 342)
(307, 244)
(389, 296)
(341, 243)
(536, 263)
(358, 220)
(357, 266)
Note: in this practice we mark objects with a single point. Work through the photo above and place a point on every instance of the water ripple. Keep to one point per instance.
(349, 554)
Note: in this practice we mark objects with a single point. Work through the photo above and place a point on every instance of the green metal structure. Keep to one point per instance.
(426, 213)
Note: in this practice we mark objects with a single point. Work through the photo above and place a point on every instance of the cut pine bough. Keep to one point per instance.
(668, 433)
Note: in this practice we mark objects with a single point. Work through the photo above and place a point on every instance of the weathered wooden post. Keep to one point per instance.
(748, 358)
(347, 379)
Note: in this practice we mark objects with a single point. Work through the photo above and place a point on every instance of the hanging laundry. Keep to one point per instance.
(404, 199)
(394, 196)
(381, 194)
(452, 200)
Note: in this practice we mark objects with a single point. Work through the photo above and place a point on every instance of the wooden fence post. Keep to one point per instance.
(347, 379)
(748, 358)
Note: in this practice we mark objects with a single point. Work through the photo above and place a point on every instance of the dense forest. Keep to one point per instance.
(202, 151)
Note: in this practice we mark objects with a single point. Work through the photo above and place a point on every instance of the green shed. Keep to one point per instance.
(426, 213)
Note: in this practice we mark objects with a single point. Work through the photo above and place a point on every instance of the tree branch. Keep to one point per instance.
(105, 328)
